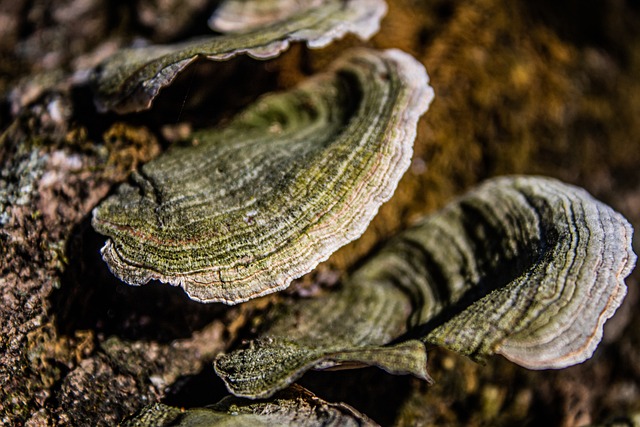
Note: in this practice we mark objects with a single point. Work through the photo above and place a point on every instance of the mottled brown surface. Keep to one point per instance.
(521, 87)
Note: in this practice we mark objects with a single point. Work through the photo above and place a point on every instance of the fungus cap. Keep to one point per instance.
(293, 407)
(261, 201)
(129, 80)
(526, 267)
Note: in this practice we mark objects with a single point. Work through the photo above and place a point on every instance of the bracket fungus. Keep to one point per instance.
(262, 200)
(526, 267)
(332, 19)
(347, 328)
(129, 80)
(295, 406)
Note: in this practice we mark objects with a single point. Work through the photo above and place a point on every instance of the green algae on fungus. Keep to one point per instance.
(254, 204)
(294, 406)
(129, 80)
(526, 267)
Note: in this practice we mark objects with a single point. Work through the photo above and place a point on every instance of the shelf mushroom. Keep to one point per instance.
(252, 205)
(129, 80)
(294, 406)
(325, 20)
(526, 267)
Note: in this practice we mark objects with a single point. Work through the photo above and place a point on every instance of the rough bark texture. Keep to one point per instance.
(521, 87)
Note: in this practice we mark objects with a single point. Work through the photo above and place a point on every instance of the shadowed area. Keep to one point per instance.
(90, 297)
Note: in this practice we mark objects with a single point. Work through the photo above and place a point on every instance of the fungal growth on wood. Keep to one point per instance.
(526, 267)
(294, 406)
(243, 15)
(551, 258)
(360, 17)
(350, 327)
(261, 201)
(129, 80)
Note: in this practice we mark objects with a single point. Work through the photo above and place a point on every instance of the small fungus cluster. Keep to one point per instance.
(526, 267)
